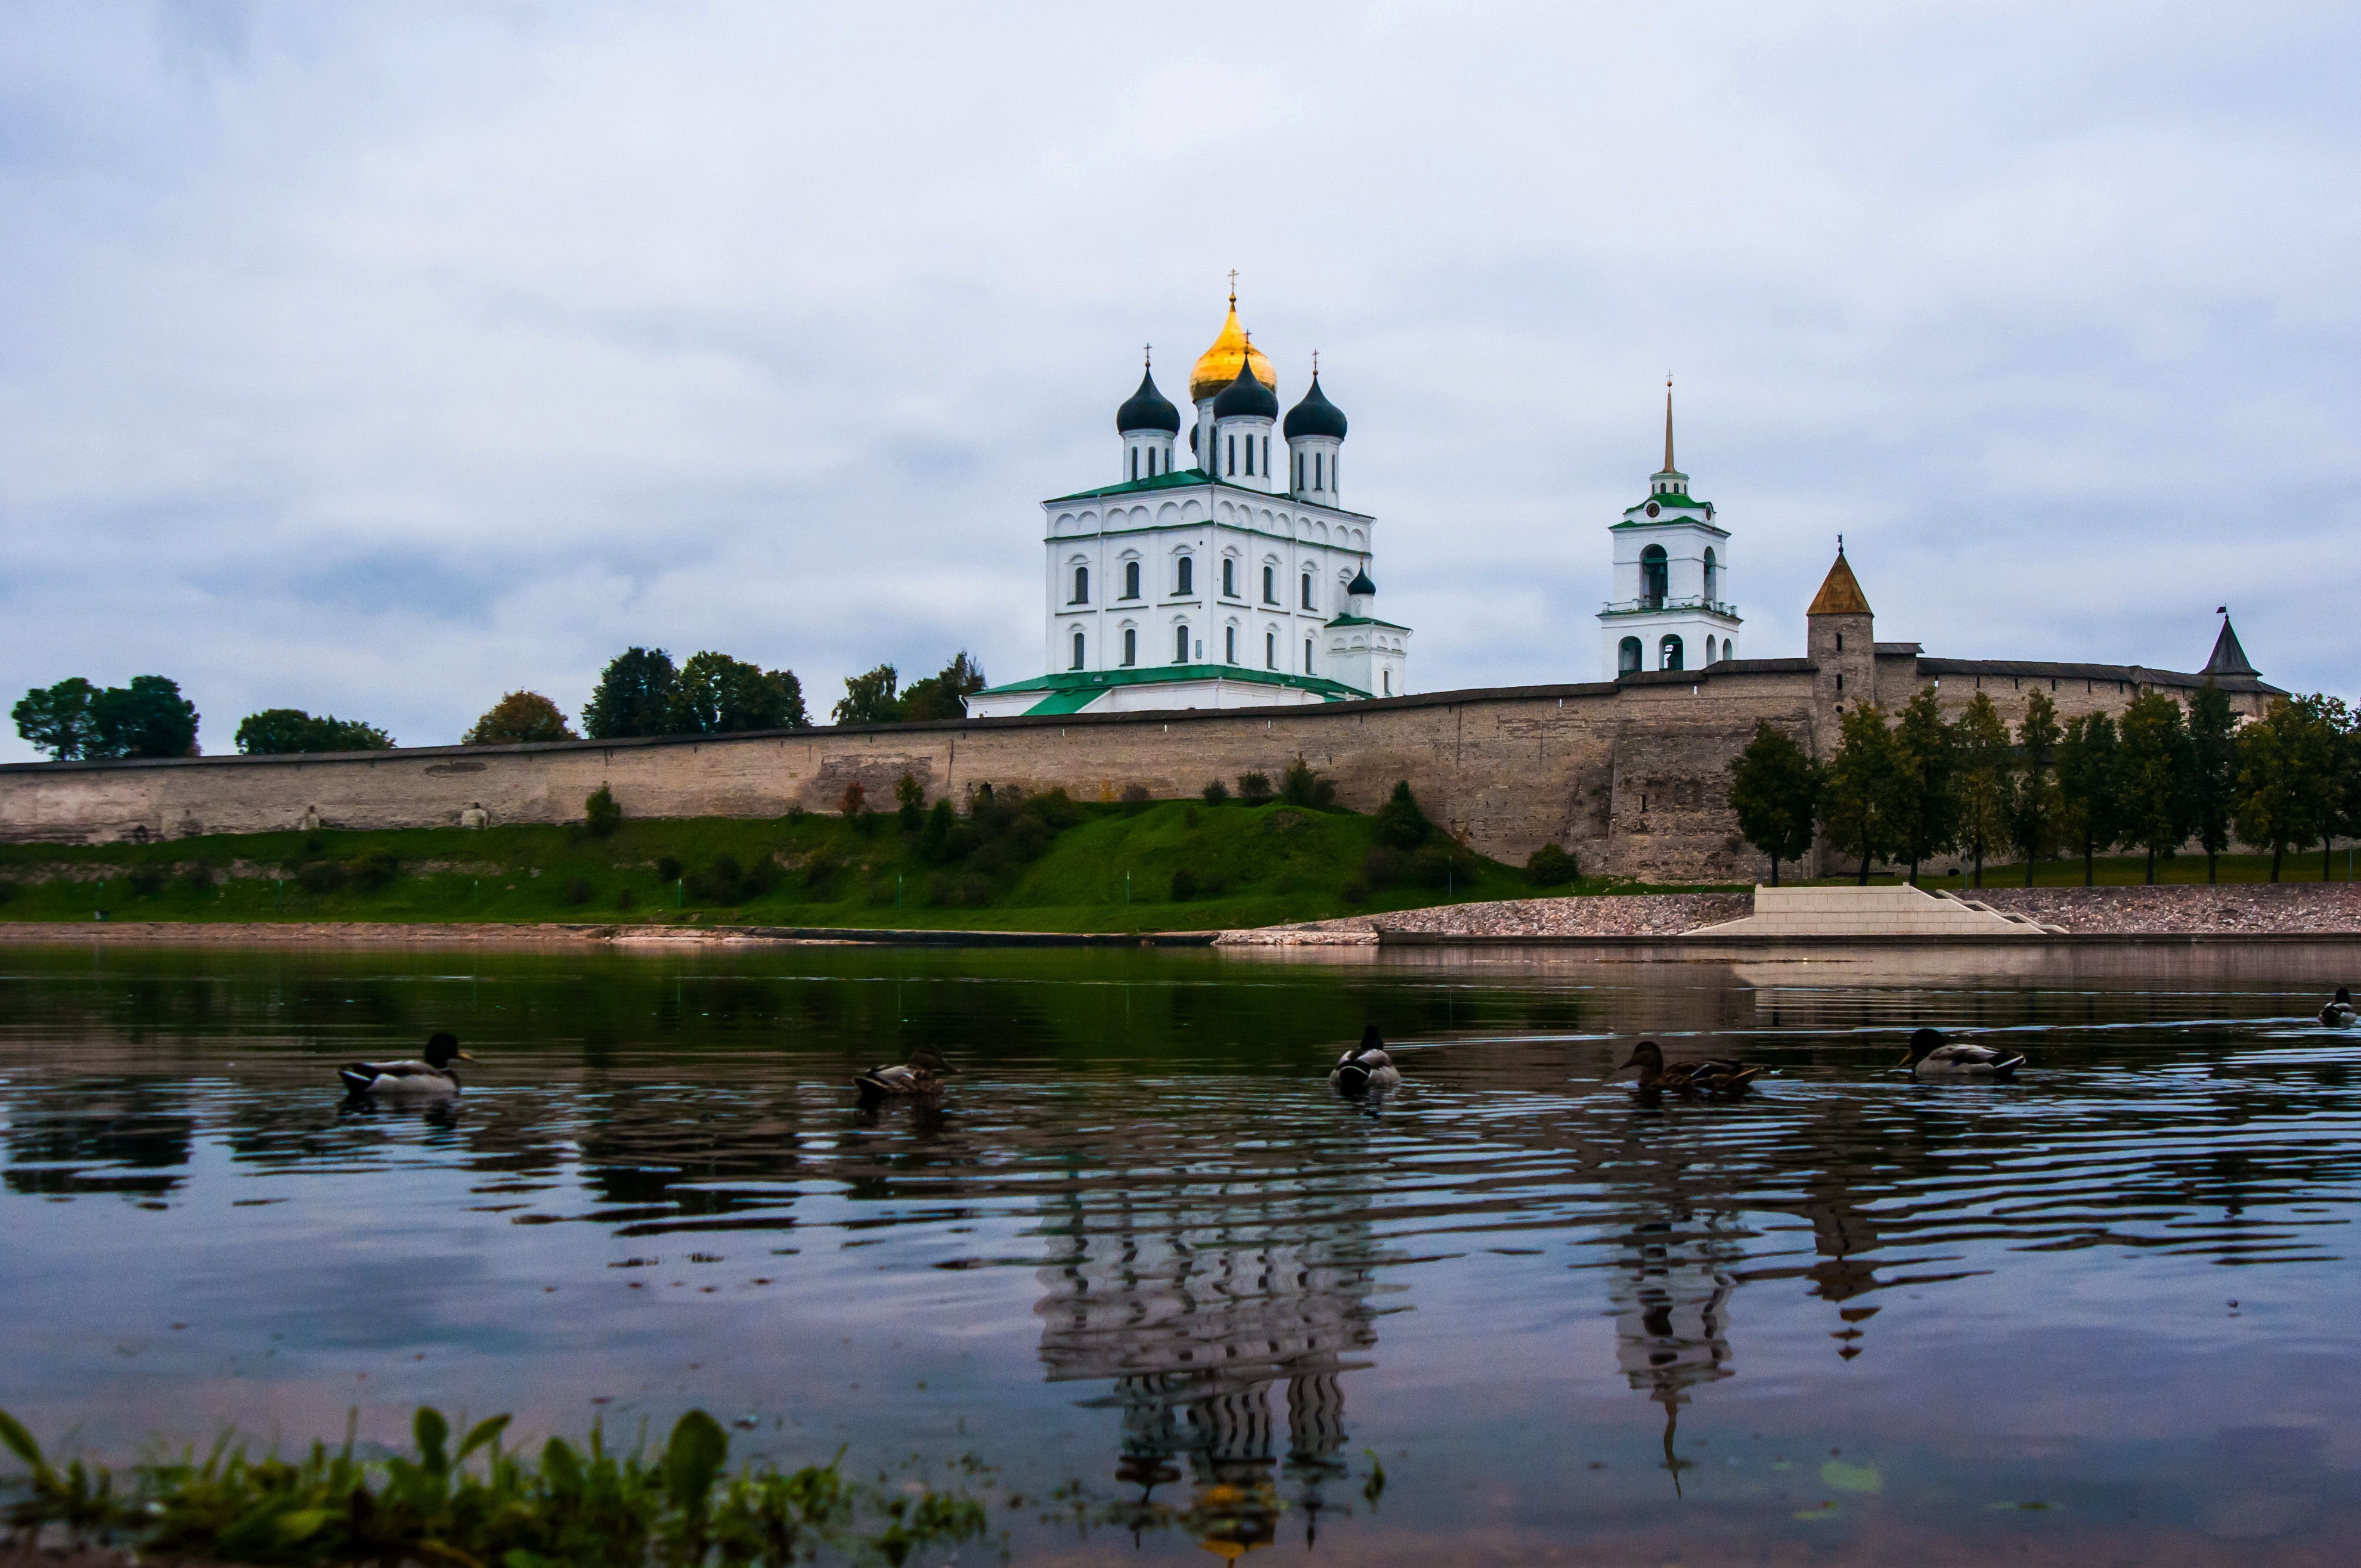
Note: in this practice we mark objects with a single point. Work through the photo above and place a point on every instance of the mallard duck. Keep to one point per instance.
(430, 1078)
(1366, 1068)
(1930, 1057)
(2339, 1013)
(921, 1077)
(1712, 1075)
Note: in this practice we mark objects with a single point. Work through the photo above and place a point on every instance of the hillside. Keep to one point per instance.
(1042, 864)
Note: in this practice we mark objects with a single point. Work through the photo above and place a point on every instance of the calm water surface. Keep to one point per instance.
(2106, 1315)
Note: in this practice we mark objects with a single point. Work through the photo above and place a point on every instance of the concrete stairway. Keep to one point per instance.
(1902, 911)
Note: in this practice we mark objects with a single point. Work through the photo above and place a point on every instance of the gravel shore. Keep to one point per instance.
(2239, 909)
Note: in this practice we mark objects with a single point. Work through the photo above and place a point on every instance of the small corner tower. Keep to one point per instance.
(1840, 640)
(1148, 425)
(1364, 652)
(1672, 607)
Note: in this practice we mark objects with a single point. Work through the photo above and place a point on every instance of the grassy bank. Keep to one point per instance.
(1043, 865)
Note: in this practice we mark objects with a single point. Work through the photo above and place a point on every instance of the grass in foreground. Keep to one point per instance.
(1044, 864)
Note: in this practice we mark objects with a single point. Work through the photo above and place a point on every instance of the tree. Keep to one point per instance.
(519, 718)
(717, 695)
(282, 731)
(147, 718)
(2213, 771)
(2153, 792)
(1774, 788)
(2087, 764)
(939, 696)
(634, 697)
(601, 813)
(1986, 772)
(869, 699)
(2033, 806)
(2287, 786)
(57, 720)
(910, 796)
(2340, 807)
(1400, 822)
(1868, 790)
(1930, 822)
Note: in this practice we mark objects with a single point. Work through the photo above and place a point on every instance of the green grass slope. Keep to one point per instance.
(1056, 867)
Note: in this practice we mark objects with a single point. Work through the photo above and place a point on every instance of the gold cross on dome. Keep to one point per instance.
(1234, 285)
(1147, 353)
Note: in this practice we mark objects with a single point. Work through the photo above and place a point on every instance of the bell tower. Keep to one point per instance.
(1672, 608)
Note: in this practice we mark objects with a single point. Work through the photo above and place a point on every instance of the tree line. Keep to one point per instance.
(2153, 780)
(640, 693)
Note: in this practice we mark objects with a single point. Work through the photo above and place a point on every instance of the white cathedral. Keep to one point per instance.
(1225, 584)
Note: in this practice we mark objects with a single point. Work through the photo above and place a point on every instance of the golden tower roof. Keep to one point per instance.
(1840, 593)
(1218, 366)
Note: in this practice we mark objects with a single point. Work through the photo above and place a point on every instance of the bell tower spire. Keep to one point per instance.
(1668, 424)
(1668, 480)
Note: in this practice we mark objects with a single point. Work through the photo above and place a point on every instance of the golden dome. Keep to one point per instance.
(1218, 366)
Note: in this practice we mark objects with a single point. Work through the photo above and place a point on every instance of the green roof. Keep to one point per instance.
(1367, 620)
(1169, 481)
(1070, 691)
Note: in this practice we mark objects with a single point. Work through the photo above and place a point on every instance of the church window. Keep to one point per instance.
(1078, 650)
(1670, 652)
(1708, 650)
(1271, 650)
(1655, 577)
(1234, 454)
(1307, 656)
(1315, 473)
(1229, 644)
(1385, 678)
(1229, 577)
(1627, 657)
(1266, 454)
(1307, 591)
(1135, 462)
(1250, 457)
(1712, 583)
(1185, 581)
(1180, 644)
(1130, 645)
(1131, 579)
(1270, 585)
(1081, 584)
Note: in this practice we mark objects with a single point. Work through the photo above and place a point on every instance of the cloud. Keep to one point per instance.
(381, 359)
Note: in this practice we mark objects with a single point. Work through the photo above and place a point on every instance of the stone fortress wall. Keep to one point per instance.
(1631, 775)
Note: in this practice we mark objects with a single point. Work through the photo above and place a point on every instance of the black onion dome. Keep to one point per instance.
(1361, 583)
(1247, 397)
(1148, 410)
(1315, 415)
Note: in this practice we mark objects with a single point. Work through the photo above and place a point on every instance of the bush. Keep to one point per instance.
(959, 887)
(1217, 793)
(197, 878)
(600, 813)
(1254, 788)
(822, 869)
(667, 870)
(937, 840)
(7, 891)
(1550, 866)
(1184, 885)
(1355, 890)
(1400, 822)
(373, 870)
(912, 794)
(1441, 865)
(1383, 867)
(1301, 786)
(625, 898)
(577, 891)
(146, 880)
(1136, 798)
(321, 876)
(854, 801)
(1056, 809)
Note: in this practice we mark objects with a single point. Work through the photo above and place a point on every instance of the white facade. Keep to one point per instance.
(1193, 588)
(1672, 607)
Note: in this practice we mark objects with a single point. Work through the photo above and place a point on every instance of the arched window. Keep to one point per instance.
(1270, 585)
(1081, 584)
(1271, 650)
(1655, 578)
(1627, 657)
(1307, 656)
(1180, 644)
(1307, 591)
(1266, 454)
(1135, 462)
(1712, 592)
(1386, 679)
(1131, 579)
(1234, 454)
(1670, 649)
(1078, 650)
(1184, 576)
(1130, 646)
(1315, 473)
(1708, 650)
(1298, 470)
(1229, 644)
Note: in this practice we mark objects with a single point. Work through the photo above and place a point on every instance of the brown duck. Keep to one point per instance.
(1712, 1075)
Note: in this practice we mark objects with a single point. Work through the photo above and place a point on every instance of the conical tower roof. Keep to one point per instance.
(1218, 366)
(1840, 593)
(2228, 658)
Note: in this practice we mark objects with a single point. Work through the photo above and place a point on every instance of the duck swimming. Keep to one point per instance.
(921, 1077)
(1712, 1075)
(1366, 1068)
(1930, 1057)
(430, 1078)
(2339, 1013)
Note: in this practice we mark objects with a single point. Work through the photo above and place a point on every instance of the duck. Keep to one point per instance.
(921, 1077)
(1931, 1058)
(2339, 1013)
(431, 1079)
(1713, 1075)
(1366, 1068)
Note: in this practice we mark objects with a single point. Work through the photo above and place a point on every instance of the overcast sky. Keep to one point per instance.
(380, 359)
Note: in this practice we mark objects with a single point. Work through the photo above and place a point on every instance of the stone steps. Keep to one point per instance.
(1901, 911)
